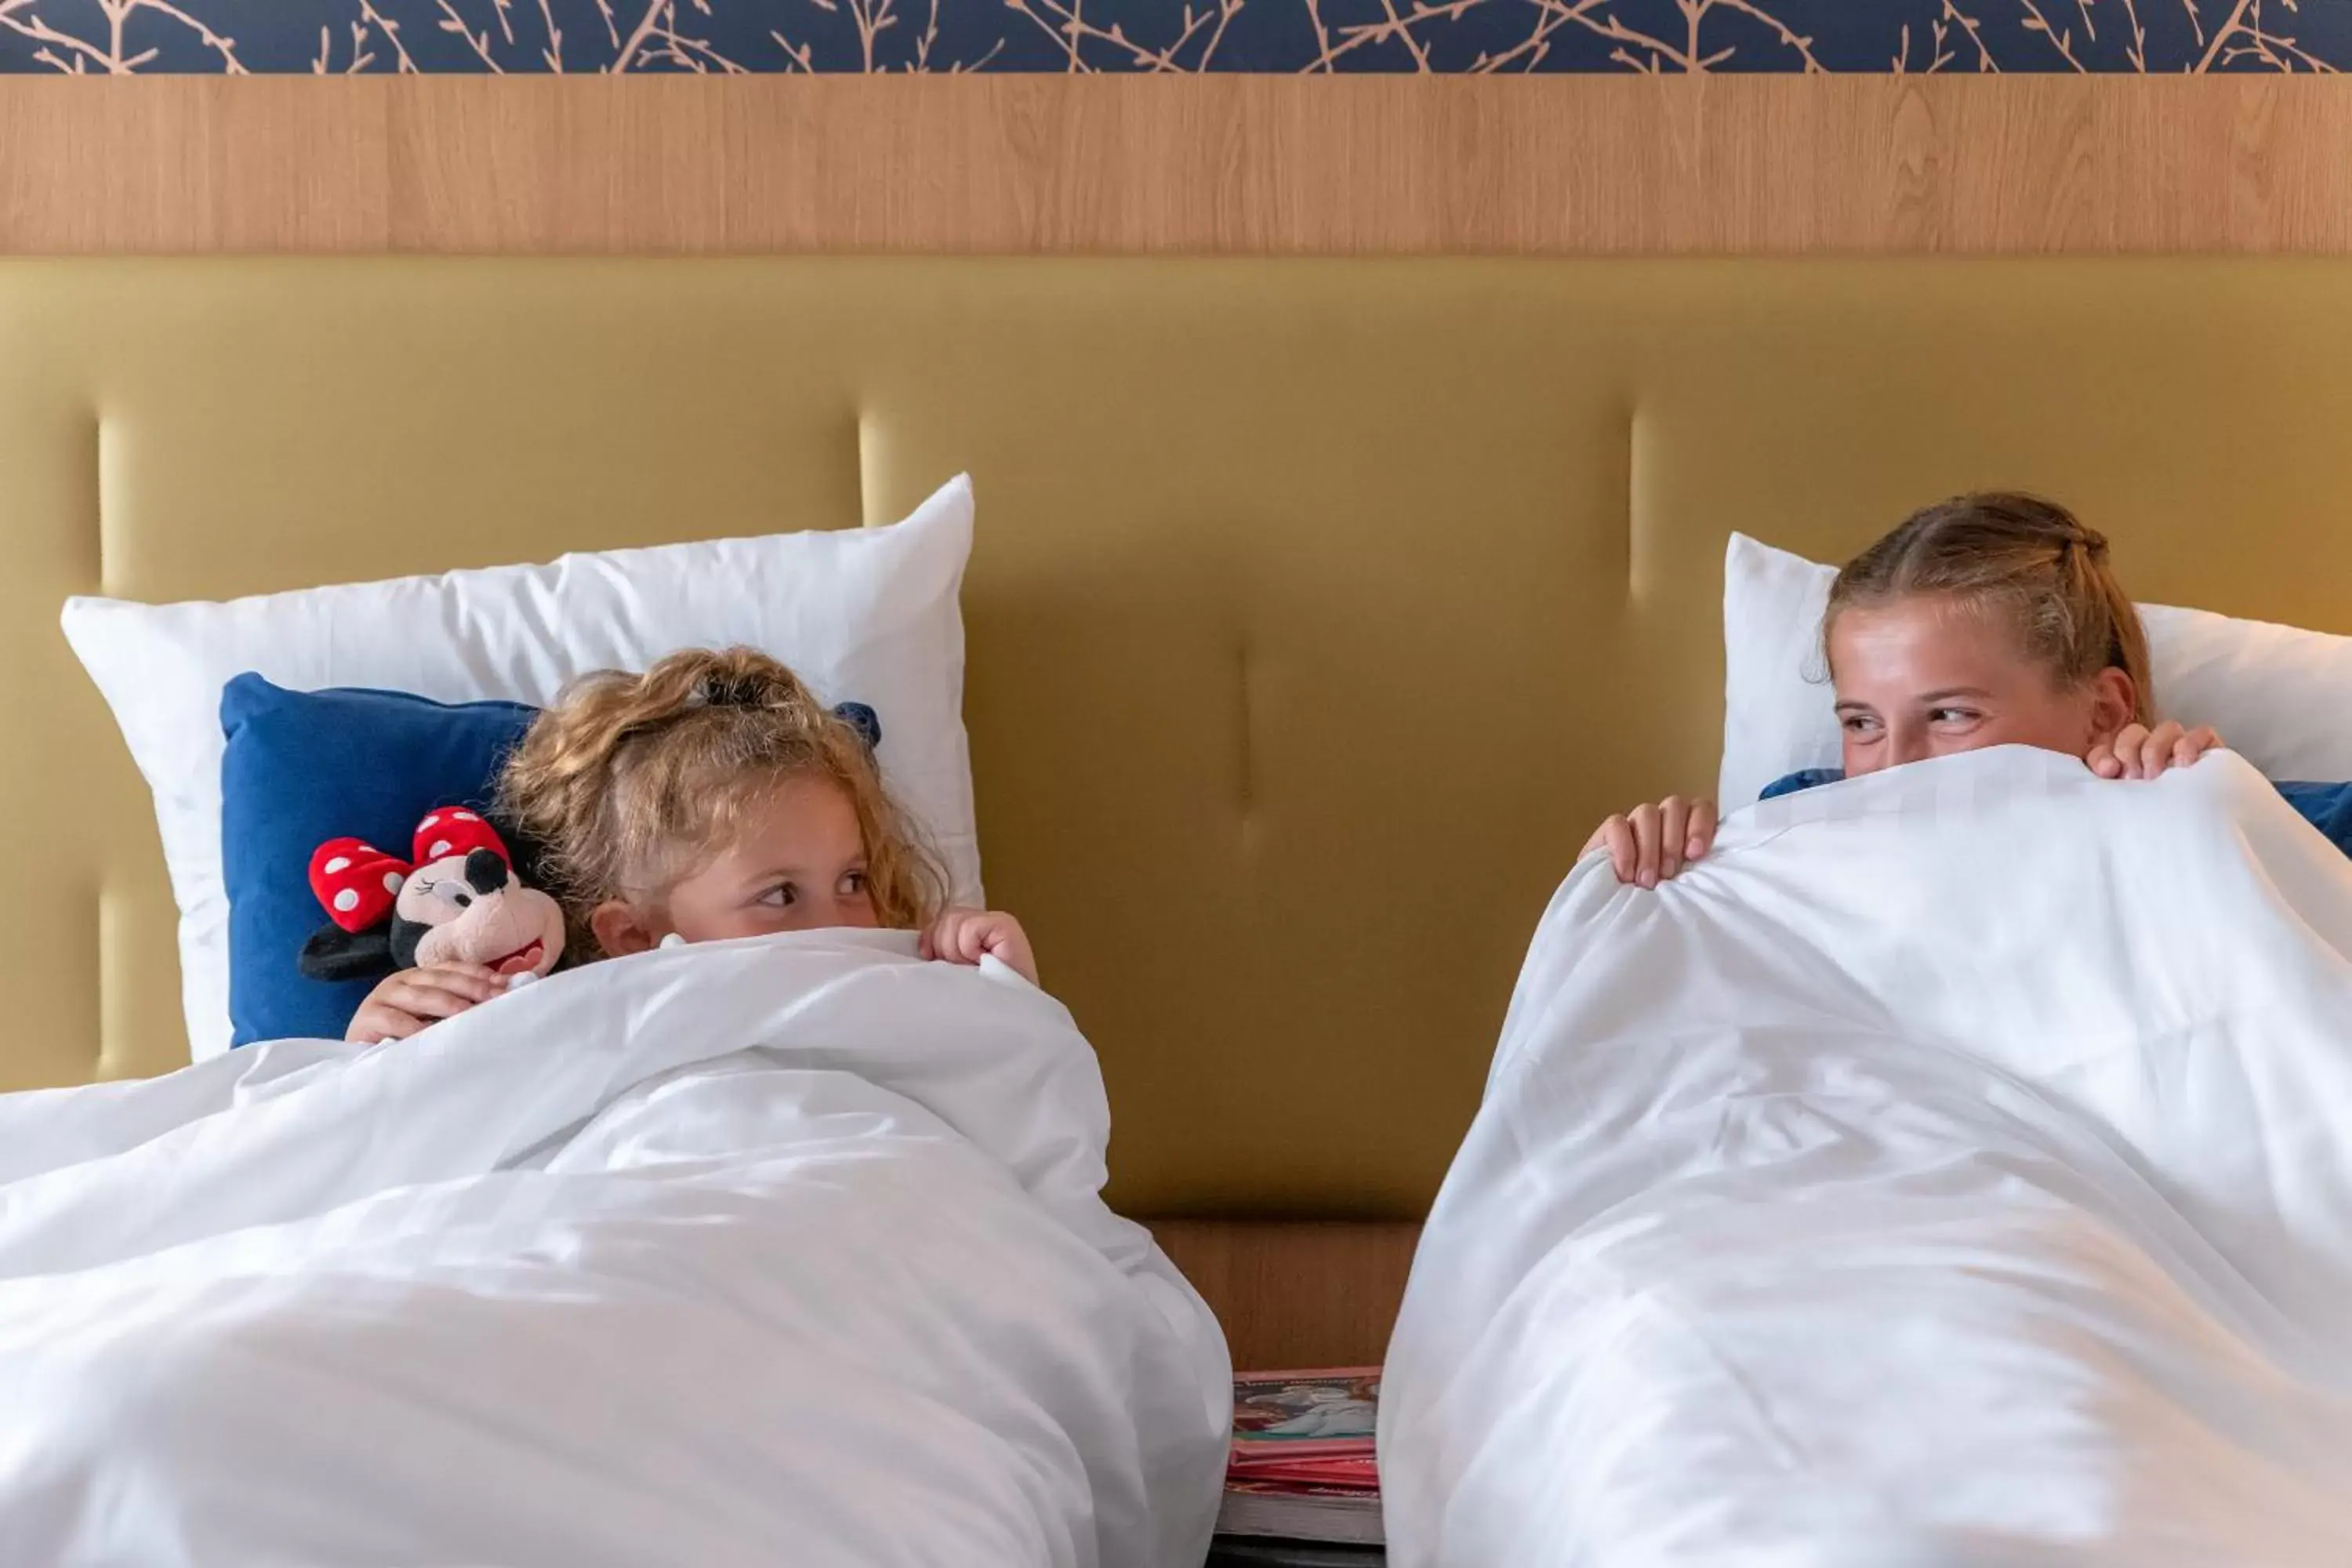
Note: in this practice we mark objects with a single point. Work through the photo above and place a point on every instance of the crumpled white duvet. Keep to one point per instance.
(783, 1251)
(1954, 1168)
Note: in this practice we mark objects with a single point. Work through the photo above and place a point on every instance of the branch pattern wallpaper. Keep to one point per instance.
(1173, 35)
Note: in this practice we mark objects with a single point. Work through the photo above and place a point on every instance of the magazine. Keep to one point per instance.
(1302, 1467)
(1332, 1470)
(1292, 1415)
(1346, 1514)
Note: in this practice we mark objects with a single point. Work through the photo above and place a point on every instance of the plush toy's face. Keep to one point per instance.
(460, 902)
(472, 909)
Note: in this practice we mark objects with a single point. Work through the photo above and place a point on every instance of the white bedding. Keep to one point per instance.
(1955, 1168)
(783, 1251)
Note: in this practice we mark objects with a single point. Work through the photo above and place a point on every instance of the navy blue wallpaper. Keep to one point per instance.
(1275, 35)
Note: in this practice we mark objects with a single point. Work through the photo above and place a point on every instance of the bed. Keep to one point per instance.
(1292, 578)
(1950, 1168)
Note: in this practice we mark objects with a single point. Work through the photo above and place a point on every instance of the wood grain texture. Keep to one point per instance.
(1225, 164)
(1296, 1294)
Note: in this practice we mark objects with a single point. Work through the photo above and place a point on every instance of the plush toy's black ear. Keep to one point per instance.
(334, 953)
(530, 854)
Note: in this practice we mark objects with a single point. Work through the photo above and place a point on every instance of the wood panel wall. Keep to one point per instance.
(1296, 1294)
(1232, 164)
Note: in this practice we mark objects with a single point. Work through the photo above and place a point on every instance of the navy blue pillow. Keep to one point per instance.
(1804, 778)
(303, 767)
(2327, 807)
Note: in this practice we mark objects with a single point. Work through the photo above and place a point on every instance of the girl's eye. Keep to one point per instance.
(1952, 715)
(853, 883)
(1859, 723)
(782, 896)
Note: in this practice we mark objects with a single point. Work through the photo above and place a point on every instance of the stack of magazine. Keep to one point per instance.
(1302, 1465)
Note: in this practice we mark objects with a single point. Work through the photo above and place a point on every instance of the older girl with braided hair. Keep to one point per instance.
(1987, 620)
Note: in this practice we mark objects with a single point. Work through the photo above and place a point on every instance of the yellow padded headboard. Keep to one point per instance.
(1318, 608)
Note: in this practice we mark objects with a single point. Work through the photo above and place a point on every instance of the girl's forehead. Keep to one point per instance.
(800, 797)
(1918, 634)
(805, 807)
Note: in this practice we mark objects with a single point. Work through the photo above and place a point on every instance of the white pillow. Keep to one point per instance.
(1778, 714)
(869, 615)
(2280, 696)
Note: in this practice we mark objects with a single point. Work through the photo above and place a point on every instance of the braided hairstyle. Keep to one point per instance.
(2025, 559)
(629, 783)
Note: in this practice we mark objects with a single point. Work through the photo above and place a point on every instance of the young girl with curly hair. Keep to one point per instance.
(712, 797)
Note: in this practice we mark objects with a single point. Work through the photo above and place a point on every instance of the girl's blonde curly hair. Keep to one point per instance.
(629, 783)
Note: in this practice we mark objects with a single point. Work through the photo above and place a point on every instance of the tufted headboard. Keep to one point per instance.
(1318, 608)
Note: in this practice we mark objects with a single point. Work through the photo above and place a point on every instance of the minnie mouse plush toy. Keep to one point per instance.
(455, 900)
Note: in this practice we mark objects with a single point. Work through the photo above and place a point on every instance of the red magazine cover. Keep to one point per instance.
(1337, 1470)
(1325, 1413)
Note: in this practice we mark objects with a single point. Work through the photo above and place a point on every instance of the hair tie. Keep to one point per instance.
(862, 718)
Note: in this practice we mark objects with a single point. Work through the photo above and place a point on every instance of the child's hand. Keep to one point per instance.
(1651, 844)
(963, 936)
(2139, 753)
(407, 1002)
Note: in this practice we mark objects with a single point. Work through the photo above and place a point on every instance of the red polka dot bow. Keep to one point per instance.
(358, 883)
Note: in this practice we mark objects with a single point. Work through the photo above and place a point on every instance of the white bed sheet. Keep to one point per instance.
(1954, 1168)
(788, 1250)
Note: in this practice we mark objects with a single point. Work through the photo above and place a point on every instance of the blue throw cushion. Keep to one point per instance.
(303, 767)
(1804, 778)
(2327, 807)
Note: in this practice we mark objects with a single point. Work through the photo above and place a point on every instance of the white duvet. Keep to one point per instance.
(780, 1252)
(1954, 1168)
